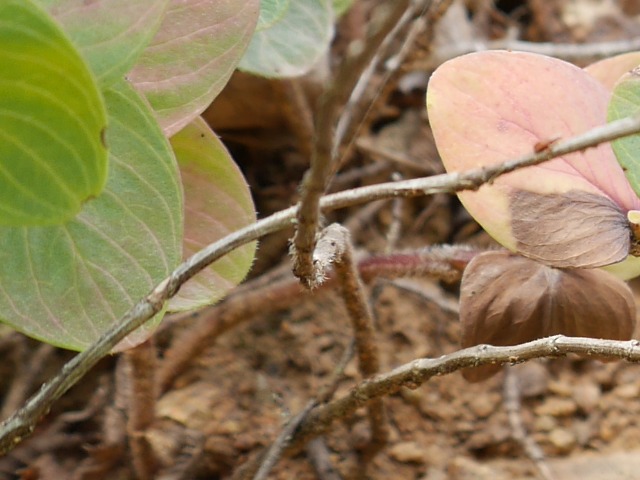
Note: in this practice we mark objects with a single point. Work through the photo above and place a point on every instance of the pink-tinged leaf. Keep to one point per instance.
(217, 202)
(609, 70)
(110, 34)
(489, 107)
(506, 299)
(192, 56)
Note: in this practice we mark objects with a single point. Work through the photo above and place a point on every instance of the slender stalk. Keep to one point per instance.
(567, 51)
(316, 179)
(513, 406)
(414, 374)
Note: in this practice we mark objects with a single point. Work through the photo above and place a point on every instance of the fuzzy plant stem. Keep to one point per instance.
(141, 388)
(337, 237)
(315, 181)
(22, 423)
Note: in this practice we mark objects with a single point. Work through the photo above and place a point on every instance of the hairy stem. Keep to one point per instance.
(315, 181)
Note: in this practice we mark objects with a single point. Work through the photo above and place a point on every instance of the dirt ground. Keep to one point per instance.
(234, 397)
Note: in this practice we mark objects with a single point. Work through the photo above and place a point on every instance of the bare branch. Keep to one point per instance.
(414, 374)
(259, 466)
(567, 51)
(22, 422)
(315, 181)
(513, 406)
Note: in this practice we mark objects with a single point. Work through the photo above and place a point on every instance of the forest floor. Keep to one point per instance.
(580, 418)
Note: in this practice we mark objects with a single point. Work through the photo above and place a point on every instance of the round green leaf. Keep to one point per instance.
(67, 284)
(625, 101)
(192, 56)
(271, 11)
(110, 34)
(217, 202)
(292, 45)
(52, 121)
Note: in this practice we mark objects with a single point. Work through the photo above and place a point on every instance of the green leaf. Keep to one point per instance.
(52, 119)
(192, 56)
(271, 11)
(67, 284)
(110, 34)
(217, 202)
(341, 6)
(292, 45)
(625, 101)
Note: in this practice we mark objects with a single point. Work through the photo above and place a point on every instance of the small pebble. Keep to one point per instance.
(560, 388)
(407, 452)
(533, 379)
(557, 407)
(587, 396)
(484, 405)
(562, 440)
(545, 423)
(630, 390)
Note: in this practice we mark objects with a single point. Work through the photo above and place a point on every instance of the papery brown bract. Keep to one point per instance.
(507, 299)
(558, 230)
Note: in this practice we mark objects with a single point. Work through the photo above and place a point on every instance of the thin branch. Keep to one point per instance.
(346, 120)
(567, 51)
(298, 113)
(424, 14)
(260, 465)
(316, 179)
(417, 372)
(513, 406)
(272, 455)
(22, 423)
(28, 366)
(395, 227)
(320, 459)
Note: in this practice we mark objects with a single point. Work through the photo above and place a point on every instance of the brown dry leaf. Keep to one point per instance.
(507, 299)
(573, 230)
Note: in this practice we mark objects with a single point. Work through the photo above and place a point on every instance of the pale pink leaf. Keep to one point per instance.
(217, 202)
(609, 70)
(489, 107)
(110, 34)
(192, 56)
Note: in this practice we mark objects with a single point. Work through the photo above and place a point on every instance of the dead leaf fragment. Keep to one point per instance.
(575, 229)
(507, 299)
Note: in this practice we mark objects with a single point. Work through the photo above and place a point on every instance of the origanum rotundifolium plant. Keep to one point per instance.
(569, 225)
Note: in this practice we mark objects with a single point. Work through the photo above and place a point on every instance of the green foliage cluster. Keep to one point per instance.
(103, 150)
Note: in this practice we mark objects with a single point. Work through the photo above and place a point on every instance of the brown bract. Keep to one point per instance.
(575, 229)
(507, 299)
